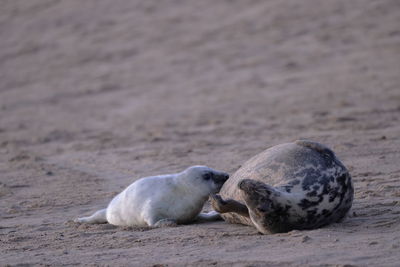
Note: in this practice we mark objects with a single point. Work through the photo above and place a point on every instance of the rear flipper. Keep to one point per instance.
(315, 146)
(209, 216)
(98, 217)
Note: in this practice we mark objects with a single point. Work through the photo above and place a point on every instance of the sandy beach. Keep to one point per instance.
(95, 94)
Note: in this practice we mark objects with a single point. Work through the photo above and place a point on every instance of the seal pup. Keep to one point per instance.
(299, 185)
(163, 200)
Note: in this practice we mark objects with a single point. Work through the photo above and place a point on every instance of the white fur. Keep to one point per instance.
(160, 200)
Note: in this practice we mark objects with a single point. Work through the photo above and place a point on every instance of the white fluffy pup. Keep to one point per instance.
(163, 200)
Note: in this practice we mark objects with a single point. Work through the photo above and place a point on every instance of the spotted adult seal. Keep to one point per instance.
(299, 185)
(164, 200)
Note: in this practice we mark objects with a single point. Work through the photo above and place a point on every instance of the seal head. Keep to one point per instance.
(205, 179)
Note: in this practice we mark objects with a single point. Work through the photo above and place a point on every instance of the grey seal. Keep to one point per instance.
(299, 185)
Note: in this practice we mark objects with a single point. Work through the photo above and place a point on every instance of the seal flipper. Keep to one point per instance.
(265, 206)
(228, 205)
(316, 146)
(256, 193)
(98, 217)
(209, 216)
(166, 223)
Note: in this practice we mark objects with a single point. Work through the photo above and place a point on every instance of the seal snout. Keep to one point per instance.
(221, 177)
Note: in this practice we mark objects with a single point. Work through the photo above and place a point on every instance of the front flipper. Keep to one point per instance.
(228, 205)
(166, 223)
(268, 209)
(209, 216)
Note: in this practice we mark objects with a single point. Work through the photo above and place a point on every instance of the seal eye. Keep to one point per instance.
(207, 176)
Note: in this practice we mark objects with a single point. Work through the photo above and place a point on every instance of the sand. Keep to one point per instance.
(95, 94)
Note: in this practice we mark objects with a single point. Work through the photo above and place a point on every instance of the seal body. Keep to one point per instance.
(299, 185)
(163, 200)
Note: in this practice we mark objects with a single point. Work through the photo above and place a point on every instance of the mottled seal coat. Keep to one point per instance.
(299, 185)
(164, 200)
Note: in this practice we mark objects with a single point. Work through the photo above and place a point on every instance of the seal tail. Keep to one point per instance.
(98, 217)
